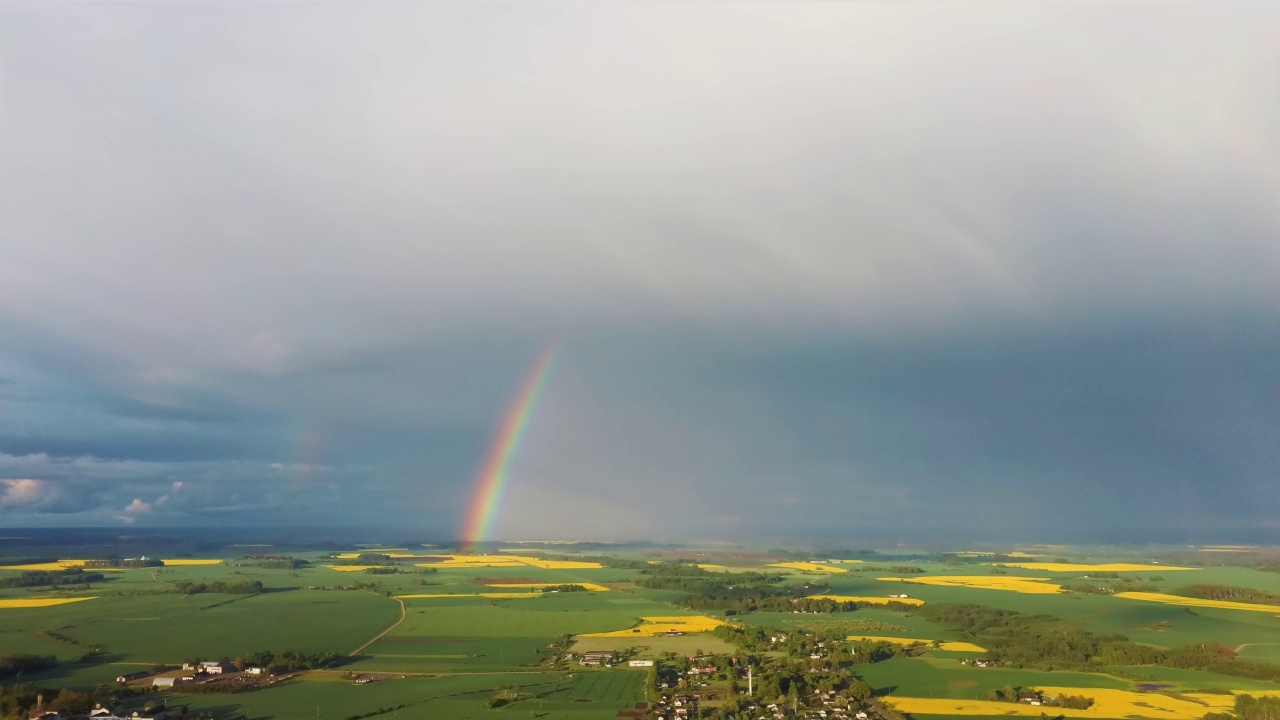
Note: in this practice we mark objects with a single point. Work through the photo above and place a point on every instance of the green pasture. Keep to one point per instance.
(171, 628)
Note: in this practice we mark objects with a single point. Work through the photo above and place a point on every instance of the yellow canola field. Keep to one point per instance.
(557, 564)
(496, 595)
(1197, 602)
(176, 562)
(351, 568)
(861, 599)
(1107, 703)
(480, 561)
(661, 625)
(39, 602)
(48, 567)
(471, 561)
(586, 585)
(353, 556)
(953, 646)
(1105, 567)
(810, 567)
(1034, 586)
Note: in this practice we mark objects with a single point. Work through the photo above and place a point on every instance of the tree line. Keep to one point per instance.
(55, 578)
(236, 587)
(1045, 642)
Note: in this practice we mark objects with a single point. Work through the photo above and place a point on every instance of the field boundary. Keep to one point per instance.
(403, 614)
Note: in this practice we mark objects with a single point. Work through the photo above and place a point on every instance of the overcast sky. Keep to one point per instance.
(991, 269)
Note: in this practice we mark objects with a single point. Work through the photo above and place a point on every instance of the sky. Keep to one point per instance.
(988, 270)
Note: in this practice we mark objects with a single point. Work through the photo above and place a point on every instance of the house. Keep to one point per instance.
(1032, 698)
(254, 670)
(216, 668)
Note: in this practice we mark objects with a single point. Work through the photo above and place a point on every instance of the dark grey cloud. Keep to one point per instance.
(994, 265)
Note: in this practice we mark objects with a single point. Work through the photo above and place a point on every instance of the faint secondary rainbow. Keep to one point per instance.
(493, 474)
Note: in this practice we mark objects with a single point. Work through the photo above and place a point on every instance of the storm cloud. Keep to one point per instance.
(1003, 268)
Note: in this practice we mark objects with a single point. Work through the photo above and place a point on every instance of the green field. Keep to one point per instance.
(449, 655)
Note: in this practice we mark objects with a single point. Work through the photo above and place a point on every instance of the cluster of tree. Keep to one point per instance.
(18, 663)
(564, 588)
(279, 662)
(1248, 707)
(238, 587)
(1008, 693)
(1227, 592)
(124, 563)
(801, 643)
(382, 570)
(19, 700)
(28, 560)
(1075, 702)
(367, 558)
(735, 593)
(277, 562)
(40, 578)
(1047, 643)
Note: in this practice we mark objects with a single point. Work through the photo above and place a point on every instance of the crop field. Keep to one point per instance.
(661, 625)
(473, 623)
(1108, 703)
(1198, 602)
(1101, 567)
(807, 567)
(1012, 583)
(316, 695)
(9, 603)
(868, 599)
(653, 647)
(944, 645)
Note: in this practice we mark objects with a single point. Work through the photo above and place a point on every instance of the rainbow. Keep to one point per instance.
(493, 474)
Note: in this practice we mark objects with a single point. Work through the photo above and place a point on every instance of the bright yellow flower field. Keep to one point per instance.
(39, 602)
(177, 562)
(1108, 703)
(1105, 567)
(494, 595)
(810, 567)
(876, 600)
(1035, 586)
(953, 646)
(586, 585)
(661, 625)
(1197, 602)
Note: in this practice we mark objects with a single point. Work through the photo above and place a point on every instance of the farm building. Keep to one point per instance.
(167, 681)
(254, 670)
(132, 676)
(641, 663)
(598, 657)
(215, 668)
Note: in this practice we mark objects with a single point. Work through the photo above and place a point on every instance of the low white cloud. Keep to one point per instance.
(22, 491)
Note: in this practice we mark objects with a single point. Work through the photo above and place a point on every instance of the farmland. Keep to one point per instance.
(509, 626)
